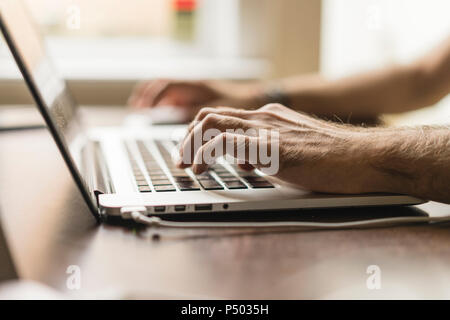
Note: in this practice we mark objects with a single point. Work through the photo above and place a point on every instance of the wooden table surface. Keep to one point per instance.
(50, 228)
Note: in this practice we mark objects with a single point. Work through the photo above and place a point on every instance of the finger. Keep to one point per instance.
(238, 146)
(225, 111)
(205, 130)
(137, 93)
(157, 89)
(163, 90)
(246, 166)
(284, 113)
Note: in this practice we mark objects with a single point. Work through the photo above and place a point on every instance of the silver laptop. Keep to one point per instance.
(121, 167)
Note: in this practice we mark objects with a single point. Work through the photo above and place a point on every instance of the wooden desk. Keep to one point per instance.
(50, 228)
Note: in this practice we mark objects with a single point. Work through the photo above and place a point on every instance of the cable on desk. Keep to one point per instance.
(137, 215)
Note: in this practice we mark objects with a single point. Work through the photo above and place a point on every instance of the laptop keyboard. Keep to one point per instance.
(150, 176)
(182, 179)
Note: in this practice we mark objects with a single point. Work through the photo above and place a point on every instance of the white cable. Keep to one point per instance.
(139, 217)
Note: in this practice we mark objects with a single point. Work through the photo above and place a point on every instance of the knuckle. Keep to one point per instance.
(211, 120)
(203, 112)
(273, 106)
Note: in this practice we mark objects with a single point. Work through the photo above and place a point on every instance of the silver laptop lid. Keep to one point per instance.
(49, 91)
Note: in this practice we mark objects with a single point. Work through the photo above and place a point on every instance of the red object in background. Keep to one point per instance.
(185, 5)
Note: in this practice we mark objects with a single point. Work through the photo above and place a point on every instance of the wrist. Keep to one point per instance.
(386, 154)
(275, 93)
(246, 95)
(257, 94)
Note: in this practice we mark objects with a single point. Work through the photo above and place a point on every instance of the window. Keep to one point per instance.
(133, 39)
(366, 34)
(358, 35)
(142, 39)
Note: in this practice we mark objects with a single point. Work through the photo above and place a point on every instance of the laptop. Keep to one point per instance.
(117, 168)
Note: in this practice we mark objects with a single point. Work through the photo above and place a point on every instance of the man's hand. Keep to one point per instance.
(191, 95)
(323, 156)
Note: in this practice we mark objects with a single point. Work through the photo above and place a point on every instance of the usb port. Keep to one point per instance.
(180, 208)
(160, 209)
(201, 207)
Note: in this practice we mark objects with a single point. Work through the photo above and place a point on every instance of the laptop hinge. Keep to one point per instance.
(96, 170)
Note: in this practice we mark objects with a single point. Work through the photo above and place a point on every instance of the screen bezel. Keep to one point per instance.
(48, 119)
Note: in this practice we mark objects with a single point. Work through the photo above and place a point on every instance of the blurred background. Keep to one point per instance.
(103, 47)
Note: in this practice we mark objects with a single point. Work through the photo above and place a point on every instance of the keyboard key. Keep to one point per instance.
(183, 179)
(181, 175)
(211, 185)
(230, 179)
(177, 171)
(158, 177)
(145, 189)
(226, 175)
(142, 183)
(188, 186)
(235, 185)
(161, 182)
(254, 179)
(205, 178)
(261, 184)
(156, 172)
(165, 188)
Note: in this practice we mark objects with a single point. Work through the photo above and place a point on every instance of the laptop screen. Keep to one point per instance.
(47, 88)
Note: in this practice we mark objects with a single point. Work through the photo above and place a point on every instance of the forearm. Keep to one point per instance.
(395, 89)
(363, 95)
(414, 161)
